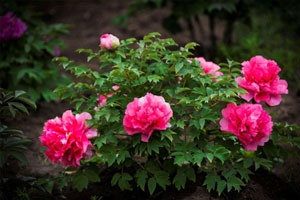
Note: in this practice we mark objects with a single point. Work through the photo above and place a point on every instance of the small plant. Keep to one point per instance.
(27, 46)
(161, 119)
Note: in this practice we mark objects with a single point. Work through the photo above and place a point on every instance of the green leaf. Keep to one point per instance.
(198, 157)
(221, 186)
(90, 57)
(12, 110)
(100, 141)
(190, 173)
(27, 101)
(222, 154)
(89, 51)
(115, 178)
(154, 78)
(179, 180)
(202, 123)
(62, 182)
(209, 156)
(80, 182)
(229, 173)
(162, 179)
(234, 182)
(19, 106)
(180, 123)
(49, 186)
(19, 93)
(15, 142)
(178, 67)
(92, 175)
(123, 181)
(141, 176)
(210, 181)
(191, 45)
(244, 173)
(151, 185)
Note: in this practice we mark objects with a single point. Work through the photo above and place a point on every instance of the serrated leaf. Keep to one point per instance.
(191, 45)
(210, 181)
(234, 182)
(198, 157)
(162, 179)
(115, 179)
(80, 182)
(179, 180)
(229, 173)
(61, 183)
(92, 175)
(221, 186)
(244, 173)
(190, 173)
(151, 185)
(141, 176)
(180, 123)
(49, 186)
(123, 181)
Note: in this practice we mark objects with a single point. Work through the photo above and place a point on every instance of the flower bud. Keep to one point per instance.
(109, 41)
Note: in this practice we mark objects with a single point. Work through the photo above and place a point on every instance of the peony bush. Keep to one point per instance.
(163, 117)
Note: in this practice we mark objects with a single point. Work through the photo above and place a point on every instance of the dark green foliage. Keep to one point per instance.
(12, 105)
(26, 62)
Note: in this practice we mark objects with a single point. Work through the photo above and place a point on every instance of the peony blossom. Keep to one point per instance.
(146, 114)
(109, 41)
(67, 138)
(102, 99)
(261, 81)
(11, 27)
(249, 122)
(209, 67)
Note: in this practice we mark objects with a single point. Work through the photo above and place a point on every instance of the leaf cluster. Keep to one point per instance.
(12, 105)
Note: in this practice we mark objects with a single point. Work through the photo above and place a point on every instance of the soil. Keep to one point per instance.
(94, 18)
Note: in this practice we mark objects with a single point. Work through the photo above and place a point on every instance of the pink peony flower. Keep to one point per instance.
(209, 67)
(261, 81)
(249, 122)
(146, 114)
(67, 138)
(109, 41)
(102, 99)
(11, 27)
